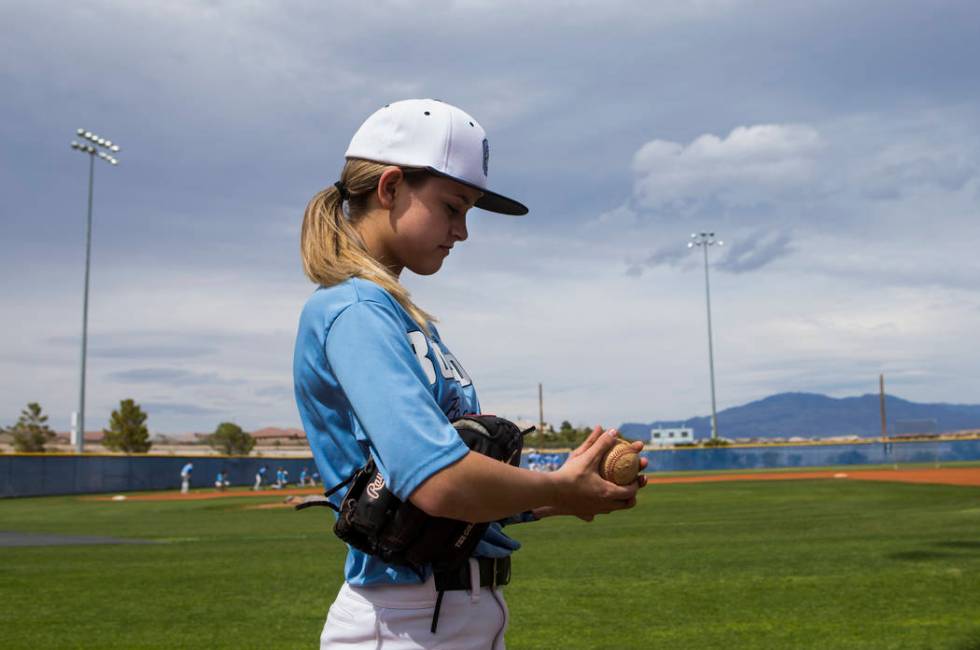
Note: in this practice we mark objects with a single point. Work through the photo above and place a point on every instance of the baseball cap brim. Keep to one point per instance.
(490, 201)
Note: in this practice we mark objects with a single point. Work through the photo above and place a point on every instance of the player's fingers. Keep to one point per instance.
(602, 444)
(643, 462)
(588, 442)
(641, 480)
(624, 504)
(622, 493)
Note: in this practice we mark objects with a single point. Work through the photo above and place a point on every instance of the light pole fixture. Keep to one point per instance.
(704, 240)
(103, 148)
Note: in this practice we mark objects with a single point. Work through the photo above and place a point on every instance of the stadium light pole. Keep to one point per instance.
(103, 148)
(703, 240)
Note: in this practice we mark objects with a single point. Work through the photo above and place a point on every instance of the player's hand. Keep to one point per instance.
(588, 442)
(641, 480)
(580, 491)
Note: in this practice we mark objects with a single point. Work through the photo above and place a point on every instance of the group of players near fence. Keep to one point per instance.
(221, 480)
(537, 462)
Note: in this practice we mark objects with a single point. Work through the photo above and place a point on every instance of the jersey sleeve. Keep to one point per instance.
(369, 352)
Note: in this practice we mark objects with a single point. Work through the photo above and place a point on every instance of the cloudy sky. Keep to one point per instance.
(834, 146)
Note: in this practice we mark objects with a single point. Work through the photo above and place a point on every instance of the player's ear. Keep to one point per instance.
(388, 185)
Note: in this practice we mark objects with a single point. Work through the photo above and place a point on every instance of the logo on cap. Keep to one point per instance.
(486, 155)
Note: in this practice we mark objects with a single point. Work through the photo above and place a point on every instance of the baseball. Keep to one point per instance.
(621, 464)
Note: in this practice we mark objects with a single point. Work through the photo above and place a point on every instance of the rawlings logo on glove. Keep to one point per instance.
(375, 487)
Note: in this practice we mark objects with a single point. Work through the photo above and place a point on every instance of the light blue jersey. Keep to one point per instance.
(362, 366)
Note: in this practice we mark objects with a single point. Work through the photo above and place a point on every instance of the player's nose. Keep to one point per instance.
(459, 230)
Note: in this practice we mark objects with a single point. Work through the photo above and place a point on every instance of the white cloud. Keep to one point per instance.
(906, 167)
(753, 164)
(755, 251)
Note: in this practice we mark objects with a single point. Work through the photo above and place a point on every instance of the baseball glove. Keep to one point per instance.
(373, 520)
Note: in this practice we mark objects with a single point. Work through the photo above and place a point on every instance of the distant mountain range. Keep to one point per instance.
(811, 415)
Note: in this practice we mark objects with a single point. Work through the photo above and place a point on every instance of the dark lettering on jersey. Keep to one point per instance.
(454, 411)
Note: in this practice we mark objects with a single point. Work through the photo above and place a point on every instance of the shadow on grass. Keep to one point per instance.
(924, 555)
(965, 545)
(970, 644)
(920, 556)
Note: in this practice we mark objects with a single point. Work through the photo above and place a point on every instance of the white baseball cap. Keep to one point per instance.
(435, 136)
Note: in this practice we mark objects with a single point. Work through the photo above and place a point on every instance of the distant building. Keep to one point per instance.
(65, 437)
(268, 436)
(276, 434)
(671, 437)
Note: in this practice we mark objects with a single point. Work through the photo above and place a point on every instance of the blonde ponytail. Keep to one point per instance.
(331, 248)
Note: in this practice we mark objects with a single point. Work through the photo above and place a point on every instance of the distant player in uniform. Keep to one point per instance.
(219, 480)
(185, 477)
(532, 461)
(374, 378)
(259, 477)
(302, 476)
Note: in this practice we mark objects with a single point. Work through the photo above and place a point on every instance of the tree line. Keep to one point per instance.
(127, 432)
(565, 436)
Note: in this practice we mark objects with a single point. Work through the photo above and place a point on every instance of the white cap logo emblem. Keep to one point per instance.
(486, 156)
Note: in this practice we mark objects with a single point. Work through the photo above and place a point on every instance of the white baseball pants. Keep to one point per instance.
(400, 618)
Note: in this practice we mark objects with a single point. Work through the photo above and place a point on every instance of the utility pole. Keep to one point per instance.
(881, 399)
(540, 411)
(704, 240)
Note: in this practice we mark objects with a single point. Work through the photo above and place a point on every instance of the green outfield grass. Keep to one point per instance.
(794, 564)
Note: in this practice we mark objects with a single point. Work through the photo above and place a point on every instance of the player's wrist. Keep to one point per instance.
(557, 490)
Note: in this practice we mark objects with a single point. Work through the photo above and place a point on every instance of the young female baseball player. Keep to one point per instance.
(373, 378)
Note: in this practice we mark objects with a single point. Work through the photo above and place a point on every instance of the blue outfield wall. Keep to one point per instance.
(772, 457)
(766, 457)
(39, 475)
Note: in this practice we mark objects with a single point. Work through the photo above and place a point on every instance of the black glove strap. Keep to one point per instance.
(326, 495)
